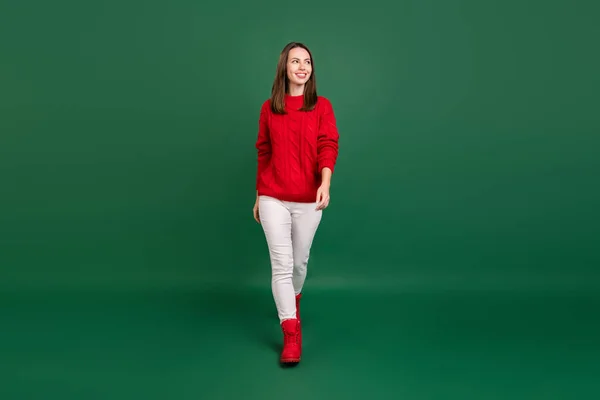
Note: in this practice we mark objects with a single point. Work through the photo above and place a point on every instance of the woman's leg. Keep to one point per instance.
(276, 222)
(305, 221)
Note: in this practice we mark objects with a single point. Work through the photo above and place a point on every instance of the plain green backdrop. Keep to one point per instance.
(468, 150)
(458, 258)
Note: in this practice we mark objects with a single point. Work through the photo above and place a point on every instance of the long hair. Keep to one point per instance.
(281, 82)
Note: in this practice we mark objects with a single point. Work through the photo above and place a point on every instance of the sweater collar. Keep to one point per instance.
(294, 102)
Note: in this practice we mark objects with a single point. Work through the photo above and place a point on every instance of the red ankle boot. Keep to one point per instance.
(298, 297)
(292, 349)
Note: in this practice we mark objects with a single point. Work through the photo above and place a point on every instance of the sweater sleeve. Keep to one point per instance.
(328, 137)
(263, 142)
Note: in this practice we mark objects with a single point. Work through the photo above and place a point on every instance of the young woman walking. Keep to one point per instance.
(297, 151)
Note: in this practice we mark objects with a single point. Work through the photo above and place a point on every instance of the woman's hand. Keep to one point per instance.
(255, 210)
(323, 191)
(323, 196)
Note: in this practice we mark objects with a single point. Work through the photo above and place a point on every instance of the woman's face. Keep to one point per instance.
(299, 66)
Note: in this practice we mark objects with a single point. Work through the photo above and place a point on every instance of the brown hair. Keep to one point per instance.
(281, 84)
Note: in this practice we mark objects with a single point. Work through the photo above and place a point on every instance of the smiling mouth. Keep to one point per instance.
(301, 75)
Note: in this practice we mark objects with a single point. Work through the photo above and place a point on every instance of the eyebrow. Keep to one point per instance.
(296, 58)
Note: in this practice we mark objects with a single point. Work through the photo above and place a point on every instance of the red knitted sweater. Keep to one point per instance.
(293, 148)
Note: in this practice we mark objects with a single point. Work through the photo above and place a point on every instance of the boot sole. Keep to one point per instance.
(290, 361)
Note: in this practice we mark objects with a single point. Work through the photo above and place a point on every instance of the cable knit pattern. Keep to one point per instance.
(293, 149)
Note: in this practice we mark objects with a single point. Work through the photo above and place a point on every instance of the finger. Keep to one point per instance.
(319, 205)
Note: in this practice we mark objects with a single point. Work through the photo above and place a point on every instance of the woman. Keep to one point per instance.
(297, 151)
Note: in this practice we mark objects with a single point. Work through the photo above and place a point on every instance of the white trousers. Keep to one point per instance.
(289, 229)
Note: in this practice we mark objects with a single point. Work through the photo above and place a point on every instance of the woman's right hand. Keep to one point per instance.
(255, 211)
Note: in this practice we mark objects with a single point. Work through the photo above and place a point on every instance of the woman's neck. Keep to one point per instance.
(295, 90)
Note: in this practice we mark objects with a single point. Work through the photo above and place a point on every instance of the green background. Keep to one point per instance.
(458, 257)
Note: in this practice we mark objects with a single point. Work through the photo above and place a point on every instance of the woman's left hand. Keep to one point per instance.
(323, 196)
